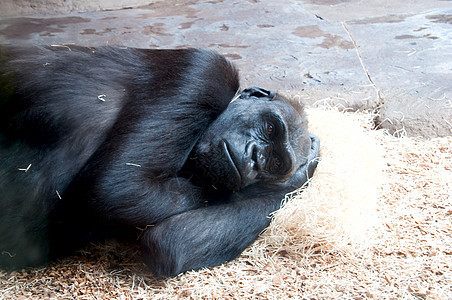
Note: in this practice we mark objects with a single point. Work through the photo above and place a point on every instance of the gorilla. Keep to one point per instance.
(160, 147)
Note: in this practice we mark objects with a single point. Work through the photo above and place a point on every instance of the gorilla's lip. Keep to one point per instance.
(231, 160)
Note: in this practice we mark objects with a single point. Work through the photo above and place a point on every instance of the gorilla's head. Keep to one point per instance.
(261, 136)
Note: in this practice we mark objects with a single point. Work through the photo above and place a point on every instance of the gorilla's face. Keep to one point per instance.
(259, 137)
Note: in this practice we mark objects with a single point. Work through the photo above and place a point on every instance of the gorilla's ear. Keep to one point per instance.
(257, 92)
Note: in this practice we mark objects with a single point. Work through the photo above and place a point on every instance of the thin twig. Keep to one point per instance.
(361, 61)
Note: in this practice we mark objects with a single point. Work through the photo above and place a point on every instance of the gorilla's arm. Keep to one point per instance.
(212, 235)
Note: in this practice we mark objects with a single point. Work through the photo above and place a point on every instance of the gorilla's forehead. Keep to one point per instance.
(258, 107)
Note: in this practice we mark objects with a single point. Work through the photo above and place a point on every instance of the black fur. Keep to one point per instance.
(100, 142)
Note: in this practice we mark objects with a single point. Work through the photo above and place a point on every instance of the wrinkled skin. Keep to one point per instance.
(143, 145)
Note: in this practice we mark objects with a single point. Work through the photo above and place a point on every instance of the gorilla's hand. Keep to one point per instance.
(305, 172)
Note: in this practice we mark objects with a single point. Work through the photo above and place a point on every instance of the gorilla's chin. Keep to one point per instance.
(218, 171)
(226, 180)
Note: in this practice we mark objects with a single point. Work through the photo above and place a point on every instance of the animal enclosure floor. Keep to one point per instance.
(409, 254)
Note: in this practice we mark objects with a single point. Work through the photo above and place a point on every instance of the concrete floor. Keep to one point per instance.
(391, 56)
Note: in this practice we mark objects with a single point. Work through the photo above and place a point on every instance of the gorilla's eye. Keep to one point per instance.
(270, 129)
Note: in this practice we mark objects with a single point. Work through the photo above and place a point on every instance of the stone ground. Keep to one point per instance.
(390, 56)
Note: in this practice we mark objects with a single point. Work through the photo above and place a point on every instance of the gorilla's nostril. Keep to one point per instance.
(254, 158)
(254, 153)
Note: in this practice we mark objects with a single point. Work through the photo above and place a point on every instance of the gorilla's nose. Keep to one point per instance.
(253, 162)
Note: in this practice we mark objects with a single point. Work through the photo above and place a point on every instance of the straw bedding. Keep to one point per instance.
(374, 222)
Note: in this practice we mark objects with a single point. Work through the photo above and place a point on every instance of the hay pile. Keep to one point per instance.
(338, 209)
(375, 222)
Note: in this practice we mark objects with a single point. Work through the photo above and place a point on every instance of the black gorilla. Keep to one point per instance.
(141, 143)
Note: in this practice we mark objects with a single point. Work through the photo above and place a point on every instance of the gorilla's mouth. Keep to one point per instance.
(238, 177)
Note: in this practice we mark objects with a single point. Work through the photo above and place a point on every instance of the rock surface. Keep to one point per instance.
(386, 56)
